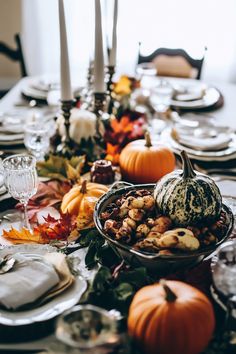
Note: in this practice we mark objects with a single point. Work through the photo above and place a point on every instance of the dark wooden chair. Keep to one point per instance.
(173, 62)
(15, 55)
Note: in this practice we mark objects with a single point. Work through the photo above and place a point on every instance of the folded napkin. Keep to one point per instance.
(29, 279)
(203, 143)
(58, 260)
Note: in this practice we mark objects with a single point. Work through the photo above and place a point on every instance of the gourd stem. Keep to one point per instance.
(83, 188)
(148, 140)
(188, 171)
(170, 295)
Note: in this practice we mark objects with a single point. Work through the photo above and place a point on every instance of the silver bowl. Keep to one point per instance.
(161, 264)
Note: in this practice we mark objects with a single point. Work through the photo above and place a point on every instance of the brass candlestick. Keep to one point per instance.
(65, 149)
(110, 72)
(99, 104)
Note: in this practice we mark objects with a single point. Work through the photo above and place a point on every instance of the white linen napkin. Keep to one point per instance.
(29, 279)
(202, 143)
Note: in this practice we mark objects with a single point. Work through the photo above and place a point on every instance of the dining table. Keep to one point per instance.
(14, 101)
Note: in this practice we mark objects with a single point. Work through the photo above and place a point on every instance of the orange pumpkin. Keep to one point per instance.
(81, 199)
(171, 317)
(142, 161)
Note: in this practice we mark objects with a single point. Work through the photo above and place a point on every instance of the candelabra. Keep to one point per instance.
(65, 149)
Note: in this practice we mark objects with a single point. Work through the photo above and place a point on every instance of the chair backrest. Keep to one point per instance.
(174, 62)
(14, 54)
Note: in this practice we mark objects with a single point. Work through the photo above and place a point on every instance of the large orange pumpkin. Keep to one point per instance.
(171, 317)
(142, 161)
(81, 199)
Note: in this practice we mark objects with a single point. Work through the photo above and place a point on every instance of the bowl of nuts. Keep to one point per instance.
(129, 219)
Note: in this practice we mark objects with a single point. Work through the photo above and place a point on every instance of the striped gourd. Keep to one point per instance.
(188, 197)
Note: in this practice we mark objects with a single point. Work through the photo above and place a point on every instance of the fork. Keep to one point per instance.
(228, 172)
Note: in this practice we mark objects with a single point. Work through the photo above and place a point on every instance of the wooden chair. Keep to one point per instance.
(15, 55)
(174, 62)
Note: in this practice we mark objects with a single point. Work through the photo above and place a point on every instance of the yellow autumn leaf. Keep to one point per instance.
(22, 236)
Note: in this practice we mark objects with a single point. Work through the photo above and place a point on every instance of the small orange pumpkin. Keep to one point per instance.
(142, 161)
(171, 317)
(81, 199)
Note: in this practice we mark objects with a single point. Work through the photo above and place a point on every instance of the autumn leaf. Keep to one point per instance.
(24, 235)
(60, 168)
(123, 86)
(49, 194)
(56, 229)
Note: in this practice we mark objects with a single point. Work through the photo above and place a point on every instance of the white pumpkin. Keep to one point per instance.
(82, 125)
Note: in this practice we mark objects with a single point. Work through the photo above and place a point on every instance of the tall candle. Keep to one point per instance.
(99, 84)
(112, 57)
(66, 93)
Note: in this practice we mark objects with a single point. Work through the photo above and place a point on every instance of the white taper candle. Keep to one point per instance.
(99, 84)
(66, 92)
(112, 56)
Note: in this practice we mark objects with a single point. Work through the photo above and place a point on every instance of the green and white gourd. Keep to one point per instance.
(188, 197)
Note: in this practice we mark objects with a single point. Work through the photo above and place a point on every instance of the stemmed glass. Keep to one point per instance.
(224, 277)
(37, 139)
(20, 177)
(160, 100)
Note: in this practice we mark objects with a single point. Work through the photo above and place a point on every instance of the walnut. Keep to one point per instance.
(123, 212)
(149, 245)
(142, 231)
(162, 224)
(111, 227)
(150, 222)
(149, 202)
(154, 234)
(137, 203)
(136, 214)
(124, 234)
(128, 202)
(129, 222)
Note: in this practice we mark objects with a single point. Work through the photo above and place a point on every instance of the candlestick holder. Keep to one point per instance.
(65, 149)
(110, 72)
(99, 104)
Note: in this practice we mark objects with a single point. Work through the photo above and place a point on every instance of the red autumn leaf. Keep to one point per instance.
(48, 194)
(56, 229)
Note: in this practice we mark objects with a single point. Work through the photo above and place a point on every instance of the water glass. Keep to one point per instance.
(20, 178)
(88, 328)
(37, 139)
(161, 95)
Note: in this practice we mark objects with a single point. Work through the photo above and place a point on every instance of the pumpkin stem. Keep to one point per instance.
(188, 171)
(170, 295)
(83, 188)
(148, 139)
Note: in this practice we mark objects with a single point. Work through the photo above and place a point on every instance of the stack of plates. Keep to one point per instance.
(11, 132)
(193, 94)
(218, 144)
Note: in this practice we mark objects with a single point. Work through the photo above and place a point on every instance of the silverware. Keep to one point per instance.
(6, 264)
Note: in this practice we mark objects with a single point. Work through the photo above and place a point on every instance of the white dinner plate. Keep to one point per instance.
(210, 97)
(222, 155)
(49, 310)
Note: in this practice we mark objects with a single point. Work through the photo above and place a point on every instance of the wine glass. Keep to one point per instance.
(160, 100)
(224, 276)
(20, 177)
(37, 139)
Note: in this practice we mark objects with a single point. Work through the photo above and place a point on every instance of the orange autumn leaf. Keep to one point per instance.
(24, 234)
(124, 125)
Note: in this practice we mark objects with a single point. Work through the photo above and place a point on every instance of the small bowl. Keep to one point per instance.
(161, 264)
